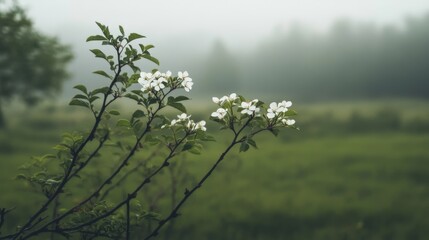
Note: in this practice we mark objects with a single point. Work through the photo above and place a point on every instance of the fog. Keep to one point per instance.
(305, 50)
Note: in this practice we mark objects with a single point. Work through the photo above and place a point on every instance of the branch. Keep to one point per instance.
(3, 212)
(133, 194)
(174, 212)
(129, 173)
(66, 178)
(110, 178)
(93, 154)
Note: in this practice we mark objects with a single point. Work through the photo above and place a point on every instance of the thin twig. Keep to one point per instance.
(27, 226)
(188, 193)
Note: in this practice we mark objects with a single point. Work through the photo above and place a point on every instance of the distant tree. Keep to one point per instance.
(32, 65)
(221, 71)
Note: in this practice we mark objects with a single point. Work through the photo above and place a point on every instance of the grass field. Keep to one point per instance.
(352, 172)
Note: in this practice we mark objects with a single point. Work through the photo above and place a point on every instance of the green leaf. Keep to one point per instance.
(103, 73)
(179, 99)
(150, 58)
(80, 96)
(177, 106)
(244, 147)
(96, 38)
(251, 142)
(98, 53)
(134, 78)
(132, 96)
(21, 177)
(121, 29)
(76, 102)
(82, 88)
(208, 138)
(195, 151)
(152, 140)
(123, 123)
(150, 46)
(104, 29)
(114, 112)
(275, 131)
(93, 98)
(102, 90)
(101, 26)
(134, 36)
(134, 68)
(137, 127)
(138, 114)
(290, 113)
(187, 146)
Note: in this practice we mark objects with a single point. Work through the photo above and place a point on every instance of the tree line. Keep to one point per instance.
(350, 61)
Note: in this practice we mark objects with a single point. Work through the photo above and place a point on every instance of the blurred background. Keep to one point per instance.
(356, 71)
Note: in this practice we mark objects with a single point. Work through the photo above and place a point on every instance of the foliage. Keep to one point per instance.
(32, 65)
(351, 60)
(66, 175)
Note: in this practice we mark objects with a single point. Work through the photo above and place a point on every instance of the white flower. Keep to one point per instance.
(146, 81)
(249, 108)
(183, 75)
(277, 108)
(187, 84)
(220, 113)
(270, 114)
(186, 80)
(158, 84)
(183, 117)
(200, 125)
(231, 98)
(146, 76)
(157, 74)
(215, 100)
(285, 105)
(190, 125)
(288, 122)
(166, 75)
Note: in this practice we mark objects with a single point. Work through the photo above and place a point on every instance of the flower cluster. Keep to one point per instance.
(250, 108)
(220, 113)
(186, 121)
(277, 112)
(231, 99)
(278, 108)
(155, 82)
(224, 102)
(186, 81)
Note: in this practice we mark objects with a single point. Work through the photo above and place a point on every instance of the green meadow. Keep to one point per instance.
(355, 170)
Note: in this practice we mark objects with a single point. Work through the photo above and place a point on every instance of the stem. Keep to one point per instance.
(54, 214)
(128, 221)
(123, 178)
(132, 194)
(66, 178)
(93, 154)
(109, 179)
(174, 212)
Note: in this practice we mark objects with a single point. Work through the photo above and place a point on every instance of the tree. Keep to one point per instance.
(32, 65)
(221, 71)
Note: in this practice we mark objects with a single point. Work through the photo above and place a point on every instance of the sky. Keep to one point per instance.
(240, 23)
(178, 27)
